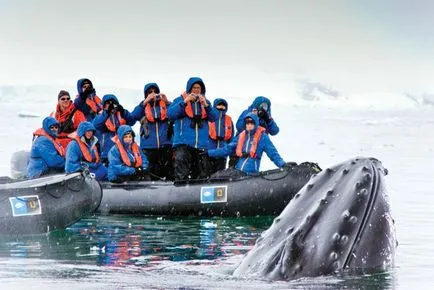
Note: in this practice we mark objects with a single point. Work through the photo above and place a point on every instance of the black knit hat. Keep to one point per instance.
(62, 93)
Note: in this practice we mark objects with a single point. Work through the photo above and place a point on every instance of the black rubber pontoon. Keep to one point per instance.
(44, 204)
(264, 194)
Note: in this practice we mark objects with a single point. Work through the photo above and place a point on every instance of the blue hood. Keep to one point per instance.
(255, 119)
(149, 85)
(259, 100)
(219, 101)
(110, 97)
(124, 129)
(47, 123)
(84, 127)
(195, 80)
(80, 81)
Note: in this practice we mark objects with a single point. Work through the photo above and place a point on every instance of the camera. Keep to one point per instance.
(261, 113)
(89, 90)
(157, 97)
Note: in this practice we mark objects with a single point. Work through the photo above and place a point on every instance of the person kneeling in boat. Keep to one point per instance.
(126, 161)
(82, 153)
(47, 155)
(248, 146)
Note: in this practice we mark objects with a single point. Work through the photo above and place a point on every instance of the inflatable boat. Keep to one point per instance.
(264, 194)
(37, 206)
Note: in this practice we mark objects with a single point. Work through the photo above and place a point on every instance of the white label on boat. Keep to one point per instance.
(25, 205)
(213, 194)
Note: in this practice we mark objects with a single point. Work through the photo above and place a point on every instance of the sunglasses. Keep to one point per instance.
(65, 99)
(250, 122)
(54, 127)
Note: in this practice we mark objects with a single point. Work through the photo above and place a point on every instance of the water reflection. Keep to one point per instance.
(104, 247)
(120, 240)
(30, 249)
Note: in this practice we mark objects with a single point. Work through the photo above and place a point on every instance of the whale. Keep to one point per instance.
(340, 221)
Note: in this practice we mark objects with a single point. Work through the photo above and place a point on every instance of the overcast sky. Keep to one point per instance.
(359, 44)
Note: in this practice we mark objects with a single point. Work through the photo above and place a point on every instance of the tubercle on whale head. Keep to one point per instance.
(337, 221)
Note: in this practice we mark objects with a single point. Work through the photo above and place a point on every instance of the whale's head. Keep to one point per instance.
(340, 220)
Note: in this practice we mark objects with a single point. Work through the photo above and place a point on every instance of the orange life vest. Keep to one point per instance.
(163, 111)
(112, 127)
(136, 153)
(95, 104)
(255, 141)
(189, 108)
(84, 149)
(227, 126)
(59, 148)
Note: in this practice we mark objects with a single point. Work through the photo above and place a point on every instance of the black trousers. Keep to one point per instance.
(191, 163)
(233, 159)
(217, 164)
(160, 162)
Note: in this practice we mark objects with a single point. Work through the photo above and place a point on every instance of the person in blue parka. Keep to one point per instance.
(126, 161)
(108, 121)
(191, 112)
(249, 146)
(261, 106)
(221, 133)
(156, 131)
(46, 156)
(82, 153)
(87, 101)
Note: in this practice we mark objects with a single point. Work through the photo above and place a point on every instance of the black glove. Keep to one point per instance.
(90, 91)
(110, 108)
(139, 171)
(83, 96)
(121, 109)
(202, 152)
(265, 116)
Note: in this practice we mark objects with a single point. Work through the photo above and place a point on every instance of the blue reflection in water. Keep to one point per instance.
(145, 241)
(28, 249)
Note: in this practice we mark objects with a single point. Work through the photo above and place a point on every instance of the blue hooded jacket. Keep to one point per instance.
(153, 135)
(74, 157)
(220, 126)
(81, 104)
(185, 131)
(247, 164)
(117, 167)
(270, 127)
(43, 155)
(99, 123)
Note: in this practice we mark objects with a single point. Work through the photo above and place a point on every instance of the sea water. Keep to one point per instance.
(156, 252)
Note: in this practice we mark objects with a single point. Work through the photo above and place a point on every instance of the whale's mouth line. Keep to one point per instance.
(366, 215)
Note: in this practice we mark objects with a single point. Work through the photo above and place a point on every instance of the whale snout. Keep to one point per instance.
(339, 220)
